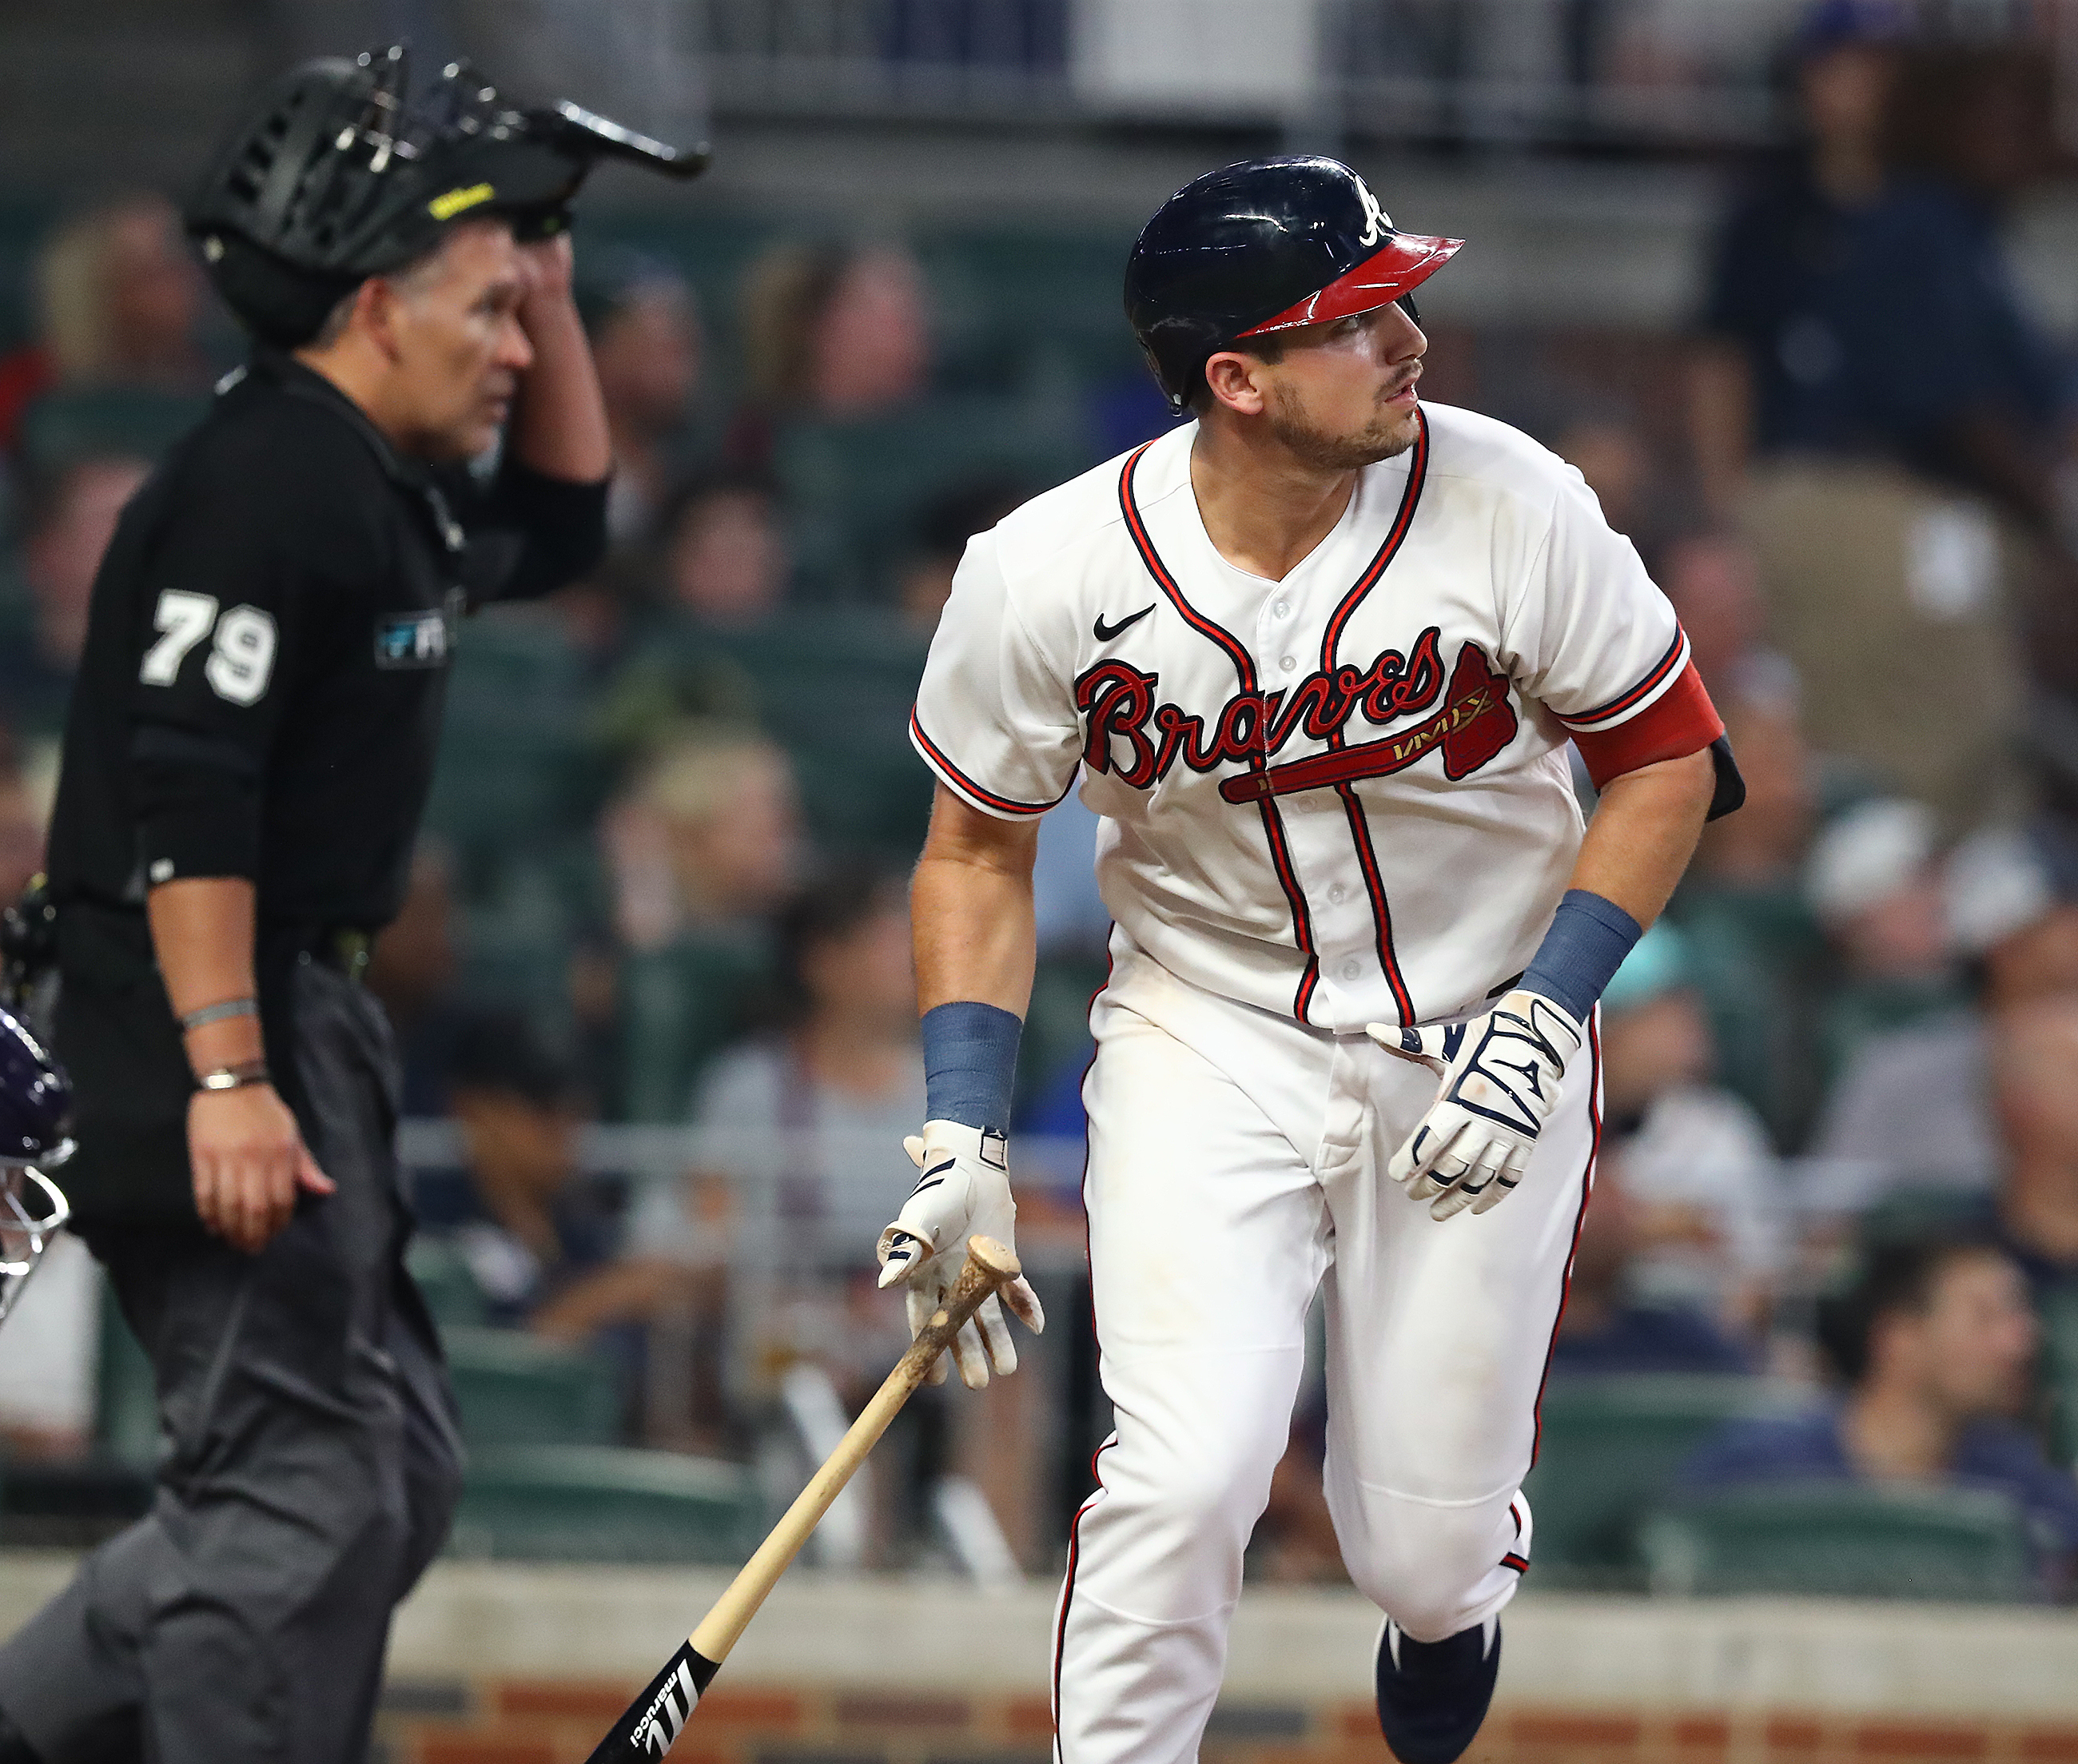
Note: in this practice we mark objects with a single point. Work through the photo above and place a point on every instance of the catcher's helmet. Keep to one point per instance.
(36, 1106)
(1263, 246)
(334, 178)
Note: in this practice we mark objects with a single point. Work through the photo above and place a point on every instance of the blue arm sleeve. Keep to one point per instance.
(1588, 941)
(970, 1064)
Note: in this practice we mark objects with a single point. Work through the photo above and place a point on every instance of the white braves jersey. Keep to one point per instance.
(1344, 796)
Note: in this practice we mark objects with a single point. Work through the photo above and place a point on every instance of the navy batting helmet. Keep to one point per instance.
(36, 1107)
(334, 178)
(1263, 246)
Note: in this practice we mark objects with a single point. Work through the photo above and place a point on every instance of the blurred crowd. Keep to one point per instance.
(662, 884)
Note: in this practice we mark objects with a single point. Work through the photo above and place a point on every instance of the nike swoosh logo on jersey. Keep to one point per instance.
(1104, 633)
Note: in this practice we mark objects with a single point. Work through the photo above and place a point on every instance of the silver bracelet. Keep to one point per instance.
(234, 1077)
(219, 1013)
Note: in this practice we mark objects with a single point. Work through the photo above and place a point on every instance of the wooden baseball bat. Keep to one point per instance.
(653, 1722)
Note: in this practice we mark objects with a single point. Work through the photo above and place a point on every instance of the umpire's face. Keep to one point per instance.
(456, 346)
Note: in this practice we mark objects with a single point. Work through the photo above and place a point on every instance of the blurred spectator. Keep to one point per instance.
(1817, 424)
(66, 526)
(523, 1223)
(1913, 1110)
(809, 1123)
(1876, 890)
(1610, 452)
(645, 342)
(1765, 845)
(1935, 1344)
(413, 970)
(117, 301)
(1766, 353)
(1608, 1325)
(942, 533)
(23, 824)
(702, 848)
(1713, 583)
(724, 558)
(1699, 1202)
(835, 329)
(2034, 1062)
(1757, 953)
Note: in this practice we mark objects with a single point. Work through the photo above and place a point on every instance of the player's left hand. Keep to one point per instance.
(964, 1190)
(1500, 1075)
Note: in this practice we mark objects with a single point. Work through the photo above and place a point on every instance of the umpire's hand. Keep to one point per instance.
(249, 1161)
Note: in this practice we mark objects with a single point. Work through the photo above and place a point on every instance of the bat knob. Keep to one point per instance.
(998, 1259)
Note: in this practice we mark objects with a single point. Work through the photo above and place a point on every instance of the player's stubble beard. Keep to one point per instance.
(1387, 434)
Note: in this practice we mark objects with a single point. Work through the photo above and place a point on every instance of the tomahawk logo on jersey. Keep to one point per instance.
(1343, 796)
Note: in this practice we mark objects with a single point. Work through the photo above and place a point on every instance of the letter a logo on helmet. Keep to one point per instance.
(1263, 246)
(1376, 223)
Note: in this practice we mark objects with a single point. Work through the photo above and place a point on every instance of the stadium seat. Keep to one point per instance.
(82, 423)
(2058, 1370)
(1842, 1540)
(604, 1503)
(516, 761)
(444, 1281)
(858, 487)
(1610, 1447)
(515, 1390)
(125, 1423)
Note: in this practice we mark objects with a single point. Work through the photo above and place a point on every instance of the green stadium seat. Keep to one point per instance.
(2058, 1369)
(605, 1504)
(77, 424)
(126, 1424)
(444, 1281)
(517, 760)
(515, 1390)
(1610, 1449)
(858, 488)
(1842, 1540)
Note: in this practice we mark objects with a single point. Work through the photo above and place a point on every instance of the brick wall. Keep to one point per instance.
(537, 1721)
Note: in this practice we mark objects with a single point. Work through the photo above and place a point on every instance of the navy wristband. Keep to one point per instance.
(970, 1064)
(1588, 941)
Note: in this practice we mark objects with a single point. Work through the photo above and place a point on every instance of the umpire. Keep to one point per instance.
(249, 751)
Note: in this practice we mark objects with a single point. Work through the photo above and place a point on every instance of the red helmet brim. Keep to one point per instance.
(1396, 268)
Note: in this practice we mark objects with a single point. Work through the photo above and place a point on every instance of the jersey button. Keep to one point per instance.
(1351, 969)
(1289, 663)
(1283, 609)
(1338, 894)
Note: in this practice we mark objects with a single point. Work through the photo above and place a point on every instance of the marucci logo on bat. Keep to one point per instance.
(659, 1728)
(652, 1727)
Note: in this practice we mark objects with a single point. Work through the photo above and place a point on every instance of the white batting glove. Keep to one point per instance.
(1500, 1075)
(964, 1190)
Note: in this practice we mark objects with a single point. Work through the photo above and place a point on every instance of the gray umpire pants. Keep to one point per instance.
(311, 1462)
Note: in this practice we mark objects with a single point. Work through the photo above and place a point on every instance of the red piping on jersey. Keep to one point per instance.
(1273, 823)
(1006, 805)
(1417, 473)
(1618, 705)
(1579, 1218)
(1515, 1558)
(1681, 720)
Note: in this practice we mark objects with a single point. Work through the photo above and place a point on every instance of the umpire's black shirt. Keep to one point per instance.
(260, 696)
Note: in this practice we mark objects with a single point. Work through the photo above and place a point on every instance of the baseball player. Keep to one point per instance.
(1315, 657)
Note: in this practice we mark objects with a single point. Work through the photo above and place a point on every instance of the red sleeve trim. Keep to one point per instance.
(965, 786)
(1682, 720)
(1677, 654)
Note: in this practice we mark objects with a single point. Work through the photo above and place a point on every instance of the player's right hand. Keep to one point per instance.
(1501, 1074)
(964, 1191)
(249, 1161)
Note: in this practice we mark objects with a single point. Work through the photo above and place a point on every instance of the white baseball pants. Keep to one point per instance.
(1237, 1160)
